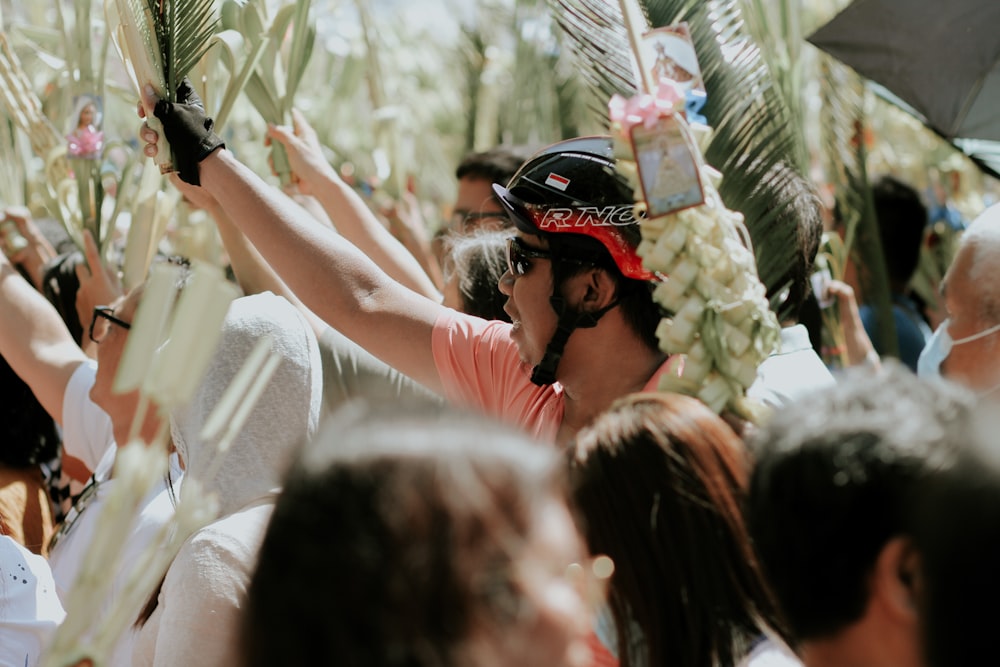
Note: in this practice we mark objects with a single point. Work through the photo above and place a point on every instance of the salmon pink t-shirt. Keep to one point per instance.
(480, 368)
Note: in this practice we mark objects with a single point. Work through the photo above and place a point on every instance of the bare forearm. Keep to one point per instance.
(859, 346)
(355, 221)
(34, 340)
(252, 273)
(330, 276)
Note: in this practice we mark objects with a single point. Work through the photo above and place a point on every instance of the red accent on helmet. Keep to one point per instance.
(591, 199)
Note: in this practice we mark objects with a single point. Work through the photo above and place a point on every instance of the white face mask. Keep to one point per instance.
(939, 347)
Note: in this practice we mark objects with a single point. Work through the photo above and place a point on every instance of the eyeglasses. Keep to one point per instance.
(104, 314)
(520, 254)
(462, 220)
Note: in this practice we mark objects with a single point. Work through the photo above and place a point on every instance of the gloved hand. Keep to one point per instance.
(188, 131)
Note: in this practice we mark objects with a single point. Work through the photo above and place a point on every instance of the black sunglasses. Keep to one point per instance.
(520, 254)
(107, 313)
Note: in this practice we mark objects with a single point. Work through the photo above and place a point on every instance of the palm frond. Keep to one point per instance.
(596, 33)
(303, 41)
(274, 80)
(231, 50)
(754, 132)
(184, 31)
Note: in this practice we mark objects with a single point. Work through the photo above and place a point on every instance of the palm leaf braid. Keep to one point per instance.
(754, 132)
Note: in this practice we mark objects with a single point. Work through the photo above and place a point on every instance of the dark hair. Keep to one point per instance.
(394, 536)
(479, 258)
(60, 285)
(958, 537)
(837, 473)
(27, 431)
(902, 218)
(635, 297)
(802, 211)
(496, 165)
(659, 481)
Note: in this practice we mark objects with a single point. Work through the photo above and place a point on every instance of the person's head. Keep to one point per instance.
(902, 218)
(88, 115)
(574, 257)
(958, 536)
(285, 415)
(803, 212)
(475, 263)
(830, 510)
(659, 482)
(418, 536)
(475, 204)
(108, 327)
(86, 112)
(60, 285)
(966, 346)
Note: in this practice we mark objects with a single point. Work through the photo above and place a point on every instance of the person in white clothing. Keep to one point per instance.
(30, 610)
(965, 346)
(794, 368)
(194, 618)
(39, 347)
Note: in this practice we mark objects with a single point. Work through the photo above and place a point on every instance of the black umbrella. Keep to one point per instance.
(941, 57)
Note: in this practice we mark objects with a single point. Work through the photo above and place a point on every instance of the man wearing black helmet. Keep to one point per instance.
(584, 319)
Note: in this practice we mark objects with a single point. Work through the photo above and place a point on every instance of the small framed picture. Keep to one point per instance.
(85, 133)
(671, 54)
(668, 166)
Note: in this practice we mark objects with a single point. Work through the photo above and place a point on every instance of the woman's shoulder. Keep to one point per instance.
(225, 547)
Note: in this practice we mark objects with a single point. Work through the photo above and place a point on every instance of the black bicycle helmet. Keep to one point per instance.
(568, 192)
(572, 188)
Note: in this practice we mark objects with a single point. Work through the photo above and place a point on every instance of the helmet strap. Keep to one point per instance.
(569, 321)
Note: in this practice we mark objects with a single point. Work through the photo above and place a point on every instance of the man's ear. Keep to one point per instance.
(597, 289)
(897, 579)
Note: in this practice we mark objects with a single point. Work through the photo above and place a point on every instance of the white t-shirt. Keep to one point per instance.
(89, 436)
(770, 653)
(30, 611)
(791, 372)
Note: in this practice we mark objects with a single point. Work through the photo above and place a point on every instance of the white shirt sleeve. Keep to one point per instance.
(87, 430)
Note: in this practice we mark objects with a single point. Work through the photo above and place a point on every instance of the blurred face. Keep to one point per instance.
(975, 363)
(120, 407)
(476, 207)
(87, 115)
(553, 629)
(528, 288)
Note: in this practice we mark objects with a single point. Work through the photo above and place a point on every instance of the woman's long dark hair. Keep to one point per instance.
(659, 481)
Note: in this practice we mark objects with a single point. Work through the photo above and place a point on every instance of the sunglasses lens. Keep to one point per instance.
(517, 262)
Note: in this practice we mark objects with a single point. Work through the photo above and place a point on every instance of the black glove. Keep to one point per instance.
(188, 131)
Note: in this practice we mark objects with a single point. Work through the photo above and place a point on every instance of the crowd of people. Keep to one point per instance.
(463, 457)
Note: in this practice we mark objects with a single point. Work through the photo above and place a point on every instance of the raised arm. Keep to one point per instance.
(35, 341)
(37, 251)
(345, 208)
(331, 277)
(252, 272)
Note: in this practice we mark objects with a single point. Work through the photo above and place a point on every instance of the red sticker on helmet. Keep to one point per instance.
(557, 181)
